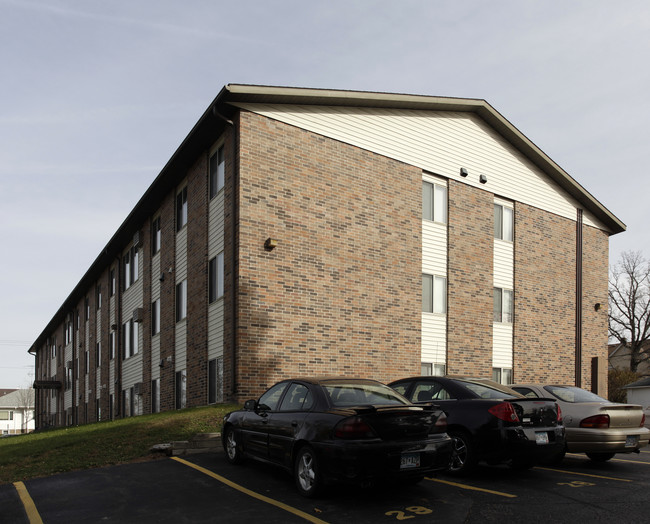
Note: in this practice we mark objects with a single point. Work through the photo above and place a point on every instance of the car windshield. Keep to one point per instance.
(488, 391)
(573, 394)
(343, 394)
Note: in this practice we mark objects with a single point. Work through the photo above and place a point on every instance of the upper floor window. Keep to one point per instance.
(215, 278)
(181, 300)
(434, 202)
(98, 298)
(111, 282)
(155, 236)
(217, 172)
(434, 294)
(155, 317)
(181, 209)
(131, 259)
(503, 222)
(503, 305)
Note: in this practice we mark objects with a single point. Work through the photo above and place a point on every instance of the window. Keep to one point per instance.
(98, 301)
(503, 222)
(215, 380)
(155, 236)
(502, 375)
(112, 282)
(180, 389)
(503, 305)
(130, 341)
(181, 300)
(217, 172)
(437, 370)
(215, 278)
(181, 209)
(297, 398)
(87, 308)
(270, 400)
(434, 202)
(86, 361)
(6, 415)
(98, 354)
(434, 294)
(131, 259)
(111, 345)
(155, 317)
(155, 395)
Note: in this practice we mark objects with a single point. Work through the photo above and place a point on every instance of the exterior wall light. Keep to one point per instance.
(270, 244)
(463, 172)
(597, 306)
(482, 179)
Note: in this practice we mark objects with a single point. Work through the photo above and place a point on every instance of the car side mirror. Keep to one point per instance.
(250, 405)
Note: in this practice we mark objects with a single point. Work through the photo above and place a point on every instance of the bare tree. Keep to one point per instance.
(629, 305)
(26, 406)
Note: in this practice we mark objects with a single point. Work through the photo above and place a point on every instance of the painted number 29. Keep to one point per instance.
(401, 515)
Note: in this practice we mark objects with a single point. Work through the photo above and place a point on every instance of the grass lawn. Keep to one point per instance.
(94, 445)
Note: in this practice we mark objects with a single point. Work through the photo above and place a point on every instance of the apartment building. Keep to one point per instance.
(321, 232)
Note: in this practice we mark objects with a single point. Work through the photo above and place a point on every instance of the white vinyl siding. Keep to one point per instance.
(155, 295)
(181, 275)
(434, 262)
(216, 244)
(437, 141)
(132, 299)
(502, 347)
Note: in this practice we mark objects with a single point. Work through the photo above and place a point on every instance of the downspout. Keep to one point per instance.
(578, 364)
(235, 221)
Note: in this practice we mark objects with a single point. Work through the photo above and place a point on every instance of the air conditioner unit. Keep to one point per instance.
(138, 315)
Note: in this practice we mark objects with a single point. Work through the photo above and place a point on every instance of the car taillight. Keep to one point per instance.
(504, 411)
(642, 421)
(559, 414)
(596, 422)
(353, 428)
(441, 424)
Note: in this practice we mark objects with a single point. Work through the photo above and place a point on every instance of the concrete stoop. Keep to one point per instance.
(200, 443)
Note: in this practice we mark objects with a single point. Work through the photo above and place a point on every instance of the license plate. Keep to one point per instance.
(410, 460)
(541, 437)
(632, 441)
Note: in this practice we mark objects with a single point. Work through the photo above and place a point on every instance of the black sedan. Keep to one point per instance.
(491, 422)
(339, 430)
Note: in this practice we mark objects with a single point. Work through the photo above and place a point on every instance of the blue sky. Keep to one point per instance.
(95, 97)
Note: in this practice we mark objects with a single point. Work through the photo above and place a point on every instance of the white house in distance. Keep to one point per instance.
(17, 412)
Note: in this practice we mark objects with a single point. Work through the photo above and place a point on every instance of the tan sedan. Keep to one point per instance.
(594, 425)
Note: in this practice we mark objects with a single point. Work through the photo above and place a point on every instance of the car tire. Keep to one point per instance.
(463, 458)
(232, 446)
(600, 457)
(306, 472)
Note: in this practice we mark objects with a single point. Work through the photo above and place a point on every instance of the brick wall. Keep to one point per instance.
(469, 280)
(197, 283)
(545, 288)
(340, 295)
(595, 260)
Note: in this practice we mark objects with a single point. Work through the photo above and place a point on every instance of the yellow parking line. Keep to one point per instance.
(30, 508)
(473, 488)
(253, 494)
(583, 474)
(615, 459)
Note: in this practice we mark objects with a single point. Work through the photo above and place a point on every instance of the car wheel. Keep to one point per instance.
(232, 447)
(600, 457)
(463, 457)
(307, 473)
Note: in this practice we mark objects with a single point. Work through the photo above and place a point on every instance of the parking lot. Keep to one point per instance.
(205, 488)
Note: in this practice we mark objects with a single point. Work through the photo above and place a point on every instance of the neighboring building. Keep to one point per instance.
(620, 356)
(317, 232)
(639, 393)
(17, 412)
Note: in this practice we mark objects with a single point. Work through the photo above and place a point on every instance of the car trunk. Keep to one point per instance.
(623, 415)
(399, 423)
(535, 412)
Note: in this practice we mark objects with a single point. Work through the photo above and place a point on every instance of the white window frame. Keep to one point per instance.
(434, 202)
(434, 294)
(181, 300)
(504, 222)
(217, 171)
(215, 278)
(503, 308)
